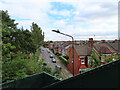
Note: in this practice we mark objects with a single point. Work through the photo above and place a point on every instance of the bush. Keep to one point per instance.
(64, 58)
(19, 68)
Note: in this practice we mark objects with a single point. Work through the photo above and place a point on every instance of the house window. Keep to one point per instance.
(82, 61)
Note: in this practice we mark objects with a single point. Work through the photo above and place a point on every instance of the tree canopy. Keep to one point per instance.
(20, 49)
(37, 35)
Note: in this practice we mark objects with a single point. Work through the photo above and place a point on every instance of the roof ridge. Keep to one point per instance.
(111, 47)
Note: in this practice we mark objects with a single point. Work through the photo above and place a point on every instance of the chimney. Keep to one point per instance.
(116, 41)
(90, 42)
(90, 39)
(103, 41)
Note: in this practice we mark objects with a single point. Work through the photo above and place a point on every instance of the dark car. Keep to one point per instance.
(57, 66)
(51, 56)
(54, 60)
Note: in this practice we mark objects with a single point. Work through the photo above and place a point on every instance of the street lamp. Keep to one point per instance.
(57, 31)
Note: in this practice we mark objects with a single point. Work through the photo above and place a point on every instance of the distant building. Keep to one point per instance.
(107, 49)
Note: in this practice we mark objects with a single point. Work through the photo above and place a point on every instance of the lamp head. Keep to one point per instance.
(57, 31)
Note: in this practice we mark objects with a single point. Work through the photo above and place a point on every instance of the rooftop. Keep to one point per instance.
(83, 50)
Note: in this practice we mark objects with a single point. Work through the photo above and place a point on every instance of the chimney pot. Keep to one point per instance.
(90, 39)
(103, 41)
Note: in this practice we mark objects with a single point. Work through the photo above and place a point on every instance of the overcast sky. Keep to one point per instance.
(82, 19)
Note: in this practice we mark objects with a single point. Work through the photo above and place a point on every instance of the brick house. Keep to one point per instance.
(115, 45)
(81, 56)
(83, 50)
(58, 48)
(82, 53)
(106, 49)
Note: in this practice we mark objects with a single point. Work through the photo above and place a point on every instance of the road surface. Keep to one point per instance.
(46, 56)
(65, 73)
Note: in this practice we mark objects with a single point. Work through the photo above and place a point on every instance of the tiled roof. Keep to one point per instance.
(104, 48)
(115, 46)
(83, 50)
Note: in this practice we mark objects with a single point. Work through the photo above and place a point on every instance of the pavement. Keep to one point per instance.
(65, 73)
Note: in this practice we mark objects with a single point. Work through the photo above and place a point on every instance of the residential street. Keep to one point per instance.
(46, 56)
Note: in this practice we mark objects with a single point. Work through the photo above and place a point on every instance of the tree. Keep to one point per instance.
(23, 41)
(7, 22)
(14, 40)
(8, 26)
(37, 35)
(109, 58)
(95, 60)
(20, 68)
(17, 45)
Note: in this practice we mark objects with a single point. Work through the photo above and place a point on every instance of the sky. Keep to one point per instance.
(81, 19)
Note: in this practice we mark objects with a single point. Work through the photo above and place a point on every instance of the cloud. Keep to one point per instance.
(80, 18)
(64, 13)
(36, 12)
(60, 23)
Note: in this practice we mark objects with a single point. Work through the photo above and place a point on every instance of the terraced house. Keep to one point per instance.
(81, 57)
(82, 54)
(105, 51)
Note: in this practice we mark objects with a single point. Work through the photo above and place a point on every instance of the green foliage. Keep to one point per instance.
(56, 73)
(7, 53)
(45, 44)
(17, 45)
(108, 59)
(45, 68)
(15, 40)
(22, 39)
(64, 58)
(36, 55)
(87, 69)
(21, 67)
(94, 60)
(116, 57)
(7, 22)
(37, 35)
(17, 69)
(8, 26)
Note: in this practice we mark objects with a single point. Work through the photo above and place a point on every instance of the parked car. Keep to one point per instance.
(54, 60)
(48, 51)
(57, 66)
(51, 56)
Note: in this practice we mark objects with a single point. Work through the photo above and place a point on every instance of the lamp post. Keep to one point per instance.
(57, 31)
